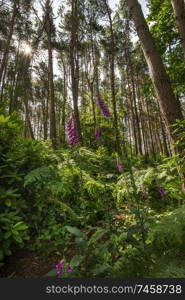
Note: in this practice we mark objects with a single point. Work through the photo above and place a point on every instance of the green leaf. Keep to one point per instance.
(99, 269)
(17, 238)
(7, 252)
(81, 243)
(7, 235)
(97, 235)
(20, 226)
(74, 230)
(76, 260)
(15, 232)
(52, 273)
(8, 202)
(4, 220)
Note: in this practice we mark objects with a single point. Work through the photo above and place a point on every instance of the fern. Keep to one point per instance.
(169, 233)
(169, 268)
(66, 209)
(38, 175)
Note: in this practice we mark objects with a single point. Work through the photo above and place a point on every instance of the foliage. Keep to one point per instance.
(50, 188)
(75, 204)
(13, 233)
(87, 170)
(168, 234)
(148, 181)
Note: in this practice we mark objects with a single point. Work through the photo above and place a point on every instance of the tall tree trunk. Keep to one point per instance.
(179, 11)
(45, 117)
(29, 130)
(112, 78)
(169, 104)
(51, 94)
(131, 105)
(12, 100)
(141, 116)
(6, 52)
(63, 135)
(91, 88)
(136, 111)
(74, 62)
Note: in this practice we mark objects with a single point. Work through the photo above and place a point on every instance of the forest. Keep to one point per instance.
(92, 138)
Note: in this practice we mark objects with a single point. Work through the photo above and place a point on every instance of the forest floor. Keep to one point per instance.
(25, 264)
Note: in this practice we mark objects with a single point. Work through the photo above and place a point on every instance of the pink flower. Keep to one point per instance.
(68, 269)
(103, 107)
(161, 192)
(72, 131)
(59, 267)
(97, 133)
(119, 165)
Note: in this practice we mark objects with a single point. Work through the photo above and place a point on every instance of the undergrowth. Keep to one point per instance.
(120, 225)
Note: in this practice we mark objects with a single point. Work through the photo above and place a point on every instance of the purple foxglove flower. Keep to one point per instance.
(119, 165)
(161, 192)
(68, 269)
(103, 107)
(69, 124)
(59, 267)
(97, 133)
(72, 131)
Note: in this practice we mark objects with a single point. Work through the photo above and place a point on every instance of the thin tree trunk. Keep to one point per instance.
(131, 107)
(165, 146)
(150, 128)
(50, 76)
(74, 62)
(12, 100)
(64, 103)
(7, 48)
(136, 112)
(45, 118)
(112, 77)
(28, 121)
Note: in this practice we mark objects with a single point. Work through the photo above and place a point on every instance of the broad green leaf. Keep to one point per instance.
(15, 232)
(81, 243)
(74, 230)
(17, 238)
(7, 235)
(97, 235)
(8, 202)
(76, 260)
(20, 226)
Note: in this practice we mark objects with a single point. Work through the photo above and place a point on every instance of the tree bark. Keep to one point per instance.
(112, 78)
(169, 104)
(179, 12)
(51, 94)
(6, 52)
(137, 122)
(63, 137)
(74, 62)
